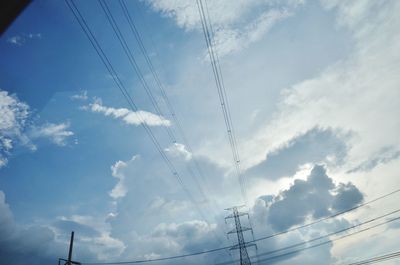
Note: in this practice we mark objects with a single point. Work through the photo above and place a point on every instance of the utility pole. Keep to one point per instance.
(238, 230)
(69, 261)
(71, 244)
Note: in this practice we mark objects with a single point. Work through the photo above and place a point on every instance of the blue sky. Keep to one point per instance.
(313, 89)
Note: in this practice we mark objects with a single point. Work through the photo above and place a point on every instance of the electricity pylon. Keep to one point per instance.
(238, 230)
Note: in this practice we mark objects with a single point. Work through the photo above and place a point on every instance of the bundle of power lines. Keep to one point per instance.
(387, 219)
(216, 68)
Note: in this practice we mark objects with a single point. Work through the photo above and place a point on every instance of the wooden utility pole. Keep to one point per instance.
(71, 244)
(69, 261)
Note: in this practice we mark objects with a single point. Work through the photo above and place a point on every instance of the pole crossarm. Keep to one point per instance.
(66, 261)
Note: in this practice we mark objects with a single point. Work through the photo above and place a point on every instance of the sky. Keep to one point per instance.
(313, 88)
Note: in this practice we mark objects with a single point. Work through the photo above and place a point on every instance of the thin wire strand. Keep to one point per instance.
(376, 259)
(208, 35)
(86, 29)
(324, 236)
(144, 83)
(319, 244)
(166, 100)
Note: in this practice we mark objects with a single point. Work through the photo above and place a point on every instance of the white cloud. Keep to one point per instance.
(192, 229)
(228, 40)
(21, 39)
(179, 150)
(83, 95)
(57, 133)
(358, 94)
(16, 127)
(93, 234)
(237, 24)
(13, 118)
(16, 40)
(118, 172)
(128, 116)
(167, 239)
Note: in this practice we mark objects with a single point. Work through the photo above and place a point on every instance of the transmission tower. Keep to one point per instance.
(238, 230)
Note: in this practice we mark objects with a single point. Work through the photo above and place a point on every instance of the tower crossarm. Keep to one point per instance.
(245, 244)
(239, 230)
(238, 214)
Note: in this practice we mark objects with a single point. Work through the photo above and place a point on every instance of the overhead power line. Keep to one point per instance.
(166, 100)
(216, 68)
(325, 236)
(136, 68)
(329, 217)
(105, 60)
(317, 245)
(260, 239)
(328, 241)
(133, 62)
(389, 256)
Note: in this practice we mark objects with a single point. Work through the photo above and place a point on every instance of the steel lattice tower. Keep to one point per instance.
(238, 230)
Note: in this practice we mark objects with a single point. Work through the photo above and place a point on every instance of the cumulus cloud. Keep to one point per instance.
(128, 116)
(176, 238)
(6, 218)
(92, 235)
(315, 197)
(315, 146)
(358, 94)
(13, 119)
(17, 128)
(21, 245)
(304, 200)
(21, 39)
(188, 235)
(237, 24)
(179, 150)
(56, 133)
(118, 171)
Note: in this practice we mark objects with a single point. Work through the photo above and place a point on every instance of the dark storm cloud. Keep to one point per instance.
(18, 246)
(311, 147)
(317, 196)
(346, 195)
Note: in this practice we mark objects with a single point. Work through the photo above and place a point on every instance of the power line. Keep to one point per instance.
(138, 72)
(325, 236)
(319, 244)
(223, 98)
(165, 97)
(329, 217)
(259, 239)
(329, 241)
(132, 61)
(100, 52)
(216, 68)
(381, 258)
